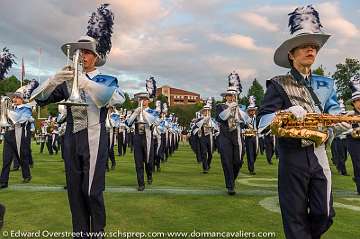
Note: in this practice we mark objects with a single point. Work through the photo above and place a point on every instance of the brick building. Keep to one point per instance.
(178, 96)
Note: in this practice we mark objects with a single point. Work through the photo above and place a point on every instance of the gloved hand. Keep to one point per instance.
(65, 74)
(342, 127)
(298, 111)
(137, 111)
(233, 104)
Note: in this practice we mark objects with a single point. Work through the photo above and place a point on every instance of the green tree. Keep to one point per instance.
(128, 103)
(243, 101)
(256, 90)
(52, 109)
(342, 76)
(185, 113)
(162, 98)
(10, 84)
(319, 71)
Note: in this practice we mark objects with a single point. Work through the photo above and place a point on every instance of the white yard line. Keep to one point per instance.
(160, 190)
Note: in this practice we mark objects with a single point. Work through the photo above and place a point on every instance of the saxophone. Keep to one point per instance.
(249, 132)
(234, 119)
(313, 127)
(355, 133)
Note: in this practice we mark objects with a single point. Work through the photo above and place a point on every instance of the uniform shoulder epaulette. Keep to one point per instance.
(281, 79)
(107, 80)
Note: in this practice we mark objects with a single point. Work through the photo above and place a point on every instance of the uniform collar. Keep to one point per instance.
(299, 77)
(20, 106)
(93, 73)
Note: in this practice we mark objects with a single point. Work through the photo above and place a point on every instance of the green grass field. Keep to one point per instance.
(181, 198)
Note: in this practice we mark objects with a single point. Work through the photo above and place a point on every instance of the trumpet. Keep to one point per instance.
(141, 116)
(75, 98)
(5, 104)
(313, 127)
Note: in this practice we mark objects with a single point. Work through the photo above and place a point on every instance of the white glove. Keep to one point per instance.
(65, 74)
(342, 127)
(137, 111)
(298, 111)
(233, 104)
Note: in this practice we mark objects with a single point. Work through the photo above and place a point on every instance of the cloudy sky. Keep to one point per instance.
(189, 44)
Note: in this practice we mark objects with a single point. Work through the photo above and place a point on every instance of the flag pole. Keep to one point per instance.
(22, 72)
(39, 108)
(39, 65)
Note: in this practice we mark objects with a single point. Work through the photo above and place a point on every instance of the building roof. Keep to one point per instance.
(175, 91)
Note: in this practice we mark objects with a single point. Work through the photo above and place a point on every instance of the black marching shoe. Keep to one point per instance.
(141, 188)
(252, 173)
(27, 180)
(231, 192)
(149, 181)
(113, 166)
(3, 185)
(15, 169)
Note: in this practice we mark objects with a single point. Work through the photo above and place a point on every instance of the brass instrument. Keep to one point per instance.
(75, 98)
(108, 123)
(313, 127)
(5, 104)
(249, 132)
(141, 116)
(355, 133)
(232, 119)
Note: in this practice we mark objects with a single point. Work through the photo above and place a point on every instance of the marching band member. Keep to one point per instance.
(43, 136)
(194, 139)
(339, 146)
(230, 117)
(17, 137)
(304, 176)
(143, 118)
(6, 62)
(54, 137)
(170, 134)
(130, 131)
(261, 140)
(163, 132)
(206, 127)
(122, 134)
(251, 139)
(61, 122)
(157, 132)
(353, 139)
(167, 125)
(84, 155)
(112, 125)
(269, 142)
